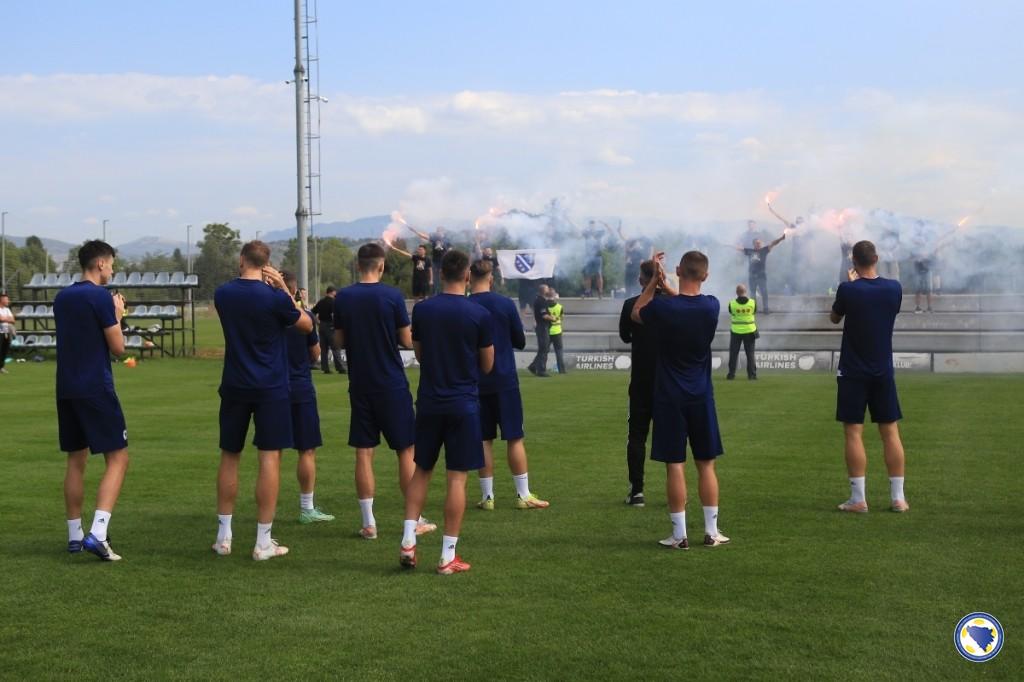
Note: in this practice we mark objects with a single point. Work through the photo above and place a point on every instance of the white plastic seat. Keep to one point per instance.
(76, 278)
(134, 280)
(140, 311)
(148, 279)
(47, 311)
(50, 280)
(119, 279)
(192, 280)
(133, 342)
(178, 278)
(27, 311)
(46, 341)
(170, 311)
(163, 278)
(35, 282)
(31, 340)
(64, 280)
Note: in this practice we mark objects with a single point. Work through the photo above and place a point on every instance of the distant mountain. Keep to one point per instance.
(57, 249)
(142, 246)
(361, 228)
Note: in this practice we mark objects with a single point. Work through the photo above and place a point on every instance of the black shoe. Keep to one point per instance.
(342, 371)
(542, 375)
(635, 499)
(531, 370)
(753, 378)
(326, 371)
(730, 377)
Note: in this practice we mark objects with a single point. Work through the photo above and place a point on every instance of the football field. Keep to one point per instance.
(579, 591)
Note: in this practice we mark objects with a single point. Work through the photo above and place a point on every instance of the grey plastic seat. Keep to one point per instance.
(46, 341)
(47, 311)
(31, 340)
(50, 280)
(133, 342)
(192, 280)
(76, 278)
(170, 311)
(134, 280)
(119, 279)
(35, 282)
(64, 280)
(18, 341)
(148, 279)
(27, 311)
(178, 278)
(163, 278)
(140, 311)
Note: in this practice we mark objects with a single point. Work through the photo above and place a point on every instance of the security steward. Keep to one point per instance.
(743, 331)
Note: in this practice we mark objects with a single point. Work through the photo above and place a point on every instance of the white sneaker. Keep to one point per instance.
(223, 548)
(854, 507)
(672, 543)
(269, 552)
(715, 541)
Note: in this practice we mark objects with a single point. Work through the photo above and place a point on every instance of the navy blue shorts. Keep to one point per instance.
(306, 426)
(504, 409)
(878, 395)
(675, 424)
(593, 266)
(96, 422)
(273, 424)
(389, 413)
(458, 433)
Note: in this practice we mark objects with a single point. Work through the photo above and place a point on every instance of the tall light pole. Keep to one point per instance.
(301, 151)
(188, 247)
(3, 251)
(105, 221)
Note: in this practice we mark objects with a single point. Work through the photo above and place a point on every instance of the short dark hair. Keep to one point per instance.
(256, 253)
(91, 250)
(480, 269)
(330, 289)
(454, 266)
(647, 270)
(369, 256)
(864, 254)
(694, 266)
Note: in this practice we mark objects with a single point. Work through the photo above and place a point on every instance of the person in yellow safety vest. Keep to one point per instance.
(555, 333)
(743, 331)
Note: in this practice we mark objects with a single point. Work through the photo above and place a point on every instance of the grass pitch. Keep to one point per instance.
(579, 591)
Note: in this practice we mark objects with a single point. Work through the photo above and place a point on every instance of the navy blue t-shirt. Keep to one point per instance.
(370, 316)
(82, 312)
(870, 307)
(254, 317)
(451, 330)
(683, 327)
(300, 377)
(508, 335)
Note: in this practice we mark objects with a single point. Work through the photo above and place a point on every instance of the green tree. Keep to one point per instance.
(218, 257)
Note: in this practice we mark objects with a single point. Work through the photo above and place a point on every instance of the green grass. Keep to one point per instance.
(579, 591)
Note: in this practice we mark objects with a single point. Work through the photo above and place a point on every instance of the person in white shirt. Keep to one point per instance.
(6, 330)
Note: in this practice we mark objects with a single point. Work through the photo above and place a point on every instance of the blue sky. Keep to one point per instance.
(443, 109)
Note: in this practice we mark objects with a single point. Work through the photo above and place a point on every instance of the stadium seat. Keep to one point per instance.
(133, 342)
(192, 280)
(76, 278)
(35, 282)
(148, 279)
(119, 279)
(140, 311)
(46, 341)
(18, 341)
(27, 311)
(163, 278)
(31, 340)
(178, 278)
(170, 311)
(64, 280)
(134, 280)
(50, 280)
(47, 311)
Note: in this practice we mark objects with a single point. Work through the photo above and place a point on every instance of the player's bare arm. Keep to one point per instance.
(405, 336)
(648, 293)
(486, 359)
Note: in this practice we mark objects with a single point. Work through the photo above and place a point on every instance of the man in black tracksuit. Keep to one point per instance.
(641, 389)
(324, 311)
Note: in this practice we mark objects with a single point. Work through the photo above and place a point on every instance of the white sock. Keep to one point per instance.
(856, 489)
(409, 533)
(522, 482)
(223, 527)
(75, 530)
(678, 524)
(711, 521)
(99, 524)
(487, 487)
(448, 548)
(896, 487)
(263, 534)
(306, 501)
(366, 506)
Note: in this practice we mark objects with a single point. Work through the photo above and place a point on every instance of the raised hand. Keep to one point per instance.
(272, 277)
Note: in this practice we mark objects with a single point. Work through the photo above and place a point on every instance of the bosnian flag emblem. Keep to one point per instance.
(524, 262)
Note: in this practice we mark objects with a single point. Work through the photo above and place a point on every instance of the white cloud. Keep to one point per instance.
(611, 157)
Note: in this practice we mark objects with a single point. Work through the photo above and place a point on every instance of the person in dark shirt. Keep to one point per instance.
(922, 281)
(500, 401)
(593, 263)
(684, 326)
(89, 416)
(542, 327)
(637, 250)
(644, 356)
(845, 258)
(454, 345)
(439, 245)
(255, 312)
(371, 322)
(757, 272)
(303, 352)
(869, 304)
(324, 311)
(422, 274)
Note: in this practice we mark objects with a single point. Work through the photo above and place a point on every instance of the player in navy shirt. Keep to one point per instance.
(684, 325)
(453, 341)
(89, 416)
(865, 380)
(303, 352)
(500, 400)
(371, 323)
(255, 312)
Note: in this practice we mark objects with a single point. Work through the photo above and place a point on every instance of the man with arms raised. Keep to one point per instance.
(684, 325)
(370, 323)
(500, 401)
(870, 304)
(454, 345)
(89, 416)
(255, 313)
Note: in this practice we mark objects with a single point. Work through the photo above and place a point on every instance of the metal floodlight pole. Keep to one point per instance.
(301, 152)
(188, 247)
(105, 221)
(3, 251)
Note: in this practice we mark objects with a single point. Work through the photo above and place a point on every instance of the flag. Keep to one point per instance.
(527, 263)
